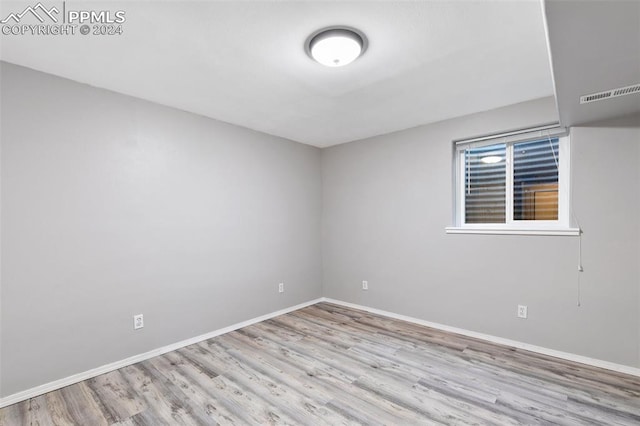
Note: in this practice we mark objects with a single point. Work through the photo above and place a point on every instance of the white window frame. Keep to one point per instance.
(561, 226)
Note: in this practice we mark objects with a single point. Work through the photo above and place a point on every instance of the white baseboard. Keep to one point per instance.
(499, 340)
(57, 384)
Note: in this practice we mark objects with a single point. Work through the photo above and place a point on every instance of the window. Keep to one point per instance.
(516, 183)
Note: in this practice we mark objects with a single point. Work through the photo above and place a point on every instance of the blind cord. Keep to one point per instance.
(577, 222)
(553, 151)
(468, 161)
(580, 268)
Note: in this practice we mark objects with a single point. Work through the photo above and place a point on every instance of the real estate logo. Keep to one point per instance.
(33, 10)
(58, 19)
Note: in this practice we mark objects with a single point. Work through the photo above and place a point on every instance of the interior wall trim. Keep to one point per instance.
(593, 362)
(70, 380)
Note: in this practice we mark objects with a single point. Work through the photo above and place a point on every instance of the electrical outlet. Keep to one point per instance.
(522, 311)
(365, 285)
(281, 288)
(138, 321)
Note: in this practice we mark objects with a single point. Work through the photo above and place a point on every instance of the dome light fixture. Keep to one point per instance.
(336, 46)
(491, 159)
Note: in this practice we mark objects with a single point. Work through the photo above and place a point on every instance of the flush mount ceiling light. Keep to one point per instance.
(336, 46)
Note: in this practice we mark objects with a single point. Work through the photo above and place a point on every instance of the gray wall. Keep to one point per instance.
(113, 206)
(608, 155)
(388, 199)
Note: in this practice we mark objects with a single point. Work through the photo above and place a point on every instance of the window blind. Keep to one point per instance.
(511, 177)
(551, 130)
(485, 184)
(535, 180)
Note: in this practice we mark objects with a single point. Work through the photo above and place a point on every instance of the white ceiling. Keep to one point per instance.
(244, 62)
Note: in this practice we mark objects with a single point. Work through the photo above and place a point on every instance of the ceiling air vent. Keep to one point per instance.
(613, 93)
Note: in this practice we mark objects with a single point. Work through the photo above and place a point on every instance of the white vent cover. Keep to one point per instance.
(613, 93)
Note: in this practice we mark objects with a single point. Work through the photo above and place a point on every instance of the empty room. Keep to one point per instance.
(319, 212)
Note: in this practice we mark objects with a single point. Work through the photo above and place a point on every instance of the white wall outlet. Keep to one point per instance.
(138, 321)
(365, 285)
(281, 288)
(522, 311)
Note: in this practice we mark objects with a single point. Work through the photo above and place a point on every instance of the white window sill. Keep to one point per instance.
(513, 231)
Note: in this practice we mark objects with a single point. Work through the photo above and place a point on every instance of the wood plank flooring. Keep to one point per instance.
(330, 365)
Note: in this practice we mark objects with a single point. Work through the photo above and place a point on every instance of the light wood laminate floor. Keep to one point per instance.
(330, 365)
